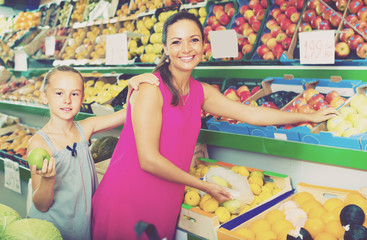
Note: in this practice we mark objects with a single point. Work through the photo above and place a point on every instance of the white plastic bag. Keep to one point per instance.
(237, 185)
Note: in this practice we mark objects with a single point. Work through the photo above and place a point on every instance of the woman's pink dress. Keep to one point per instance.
(127, 194)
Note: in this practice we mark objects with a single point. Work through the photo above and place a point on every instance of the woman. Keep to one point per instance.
(149, 168)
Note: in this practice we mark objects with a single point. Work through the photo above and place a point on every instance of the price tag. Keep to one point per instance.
(50, 43)
(317, 47)
(12, 176)
(20, 60)
(280, 136)
(116, 49)
(224, 43)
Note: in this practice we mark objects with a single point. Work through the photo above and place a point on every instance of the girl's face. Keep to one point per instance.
(184, 45)
(64, 94)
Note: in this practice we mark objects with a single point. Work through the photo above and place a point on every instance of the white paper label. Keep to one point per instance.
(20, 60)
(317, 47)
(224, 43)
(280, 136)
(50, 43)
(12, 176)
(116, 49)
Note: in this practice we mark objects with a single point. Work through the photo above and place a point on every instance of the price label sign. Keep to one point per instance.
(20, 60)
(50, 43)
(224, 43)
(317, 47)
(116, 49)
(12, 177)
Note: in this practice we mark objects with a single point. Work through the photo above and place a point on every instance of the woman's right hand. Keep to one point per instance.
(218, 192)
(135, 81)
(48, 168)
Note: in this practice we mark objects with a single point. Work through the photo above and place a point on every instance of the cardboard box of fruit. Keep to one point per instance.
(314, 212)
(202, 215)
(336, 93)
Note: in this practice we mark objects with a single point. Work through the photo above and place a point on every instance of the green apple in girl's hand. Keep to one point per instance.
(36, 157)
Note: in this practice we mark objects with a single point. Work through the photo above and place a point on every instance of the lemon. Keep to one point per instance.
(267, 189)
(192, 198)
(210, 205)
(203, 171)
(332, 203)
(256, 189)
(314, 226)
(203, 200)
(325, 236)
(274, 215)
(302, 197)
(335, 228)
(223, 214)
(283, 233)
(257, 173)
(278, 226)
(264, 196)
(266, 235)
(306, 206)
(257, 180)
(246, 233)
(328, 216)
(245, 209)
(243, 171)
(316, 211)
(221, 181)
(271, 185)
(235, 169)
(260, 225)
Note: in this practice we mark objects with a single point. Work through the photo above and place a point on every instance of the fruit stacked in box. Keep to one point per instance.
(65, 14)
(11, 85)
(77, 15)
(139, 6)
(281, 25)
(201, 210)
(352, 41)
(219, 17)
(123, 10)
(314, 212)
(24, 90)
(75, 41)
(248, 21)
(26, 20)
(60, 34)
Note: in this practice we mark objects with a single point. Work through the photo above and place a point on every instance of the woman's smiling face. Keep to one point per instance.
(184, 45)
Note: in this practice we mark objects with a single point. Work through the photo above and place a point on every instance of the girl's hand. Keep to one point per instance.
(48, 169)
(135, 81)
(218, 192)
(323, 114)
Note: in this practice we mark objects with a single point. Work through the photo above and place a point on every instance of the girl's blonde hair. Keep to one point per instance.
(61, 68)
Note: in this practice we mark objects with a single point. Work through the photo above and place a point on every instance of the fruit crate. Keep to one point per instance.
(205, 224)
(249, 24)
(280, 30)
(319, 195)
(315, 16)
(66, 9)
(320, 135)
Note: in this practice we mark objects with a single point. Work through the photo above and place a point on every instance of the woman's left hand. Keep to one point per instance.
(323, 114)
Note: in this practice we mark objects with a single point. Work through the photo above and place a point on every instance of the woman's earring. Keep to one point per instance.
(167, 59)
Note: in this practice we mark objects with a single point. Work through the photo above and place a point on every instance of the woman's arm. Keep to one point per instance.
(43, 181)
(147, 122)
(218, 104)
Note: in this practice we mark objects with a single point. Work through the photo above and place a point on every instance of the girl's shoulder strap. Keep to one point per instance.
(47, 140)
(81, 130)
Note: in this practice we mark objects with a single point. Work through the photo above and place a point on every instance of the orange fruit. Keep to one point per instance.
(302, 197)
(335, 228)
(274, 215)
(316, 211)
(307, 205)
(332, 203)
(278, 226)
(260, 225)
(314, 226)
(325, 236)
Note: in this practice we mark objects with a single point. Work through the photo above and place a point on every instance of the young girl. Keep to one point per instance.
(63, 189)
(149, 168)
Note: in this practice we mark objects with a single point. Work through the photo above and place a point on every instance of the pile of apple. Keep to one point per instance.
(247, 23)
(218, 19)
(350, 40)
(77, 39)
(78, 12)
(280, 27)
(16, 142)
(311, 101)
(352, 119)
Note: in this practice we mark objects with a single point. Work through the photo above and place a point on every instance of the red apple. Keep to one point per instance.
(255, 90)
(355, 6)
(291, 30)
(269, 56)
(240, 21)
(308, 15)
(290, 108)
(239, 56)
(224, 19)
(316, 98)
(299, 102)
(331, 95)
(211, 19)
(284, 6)
(242, 88)
(249, 13)
(309, 92)
(228, 6)
(352, 19)
(280, 18)
(286, 43)
(261, 14)
(278, 2)
(325, 25)
(320, 104)
(341, 5)
(326, 14)
(337, 102)
(252, 38)
(257, 8)
(290, 10)
(295, 17)
(275, 31)
(287, 126)
(315, 22)
(242, 42)
(346, 34)
(244, 96)
(264, 3)
(335, 19)
(251, 20)
(256, 26)
(243, 27)
(285, 23)
(312, 4)
(299, 4)
(272, 23)
(275, 12)
(342, 50)
(305, 27)
(221, 27)
(265, 37)
(246, 48)
(362, 14)
(269, 105)
(243, 9)
(253, 3)
(306, 108)
(278, 51)
(217, 8)
(280, 37)
(361, 25)
(271, 43)
(354, 41)
(320, 8)
(362, 50)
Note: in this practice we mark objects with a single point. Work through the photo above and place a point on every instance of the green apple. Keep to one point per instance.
(351, 131)
(36, 157)
(346, 110)
(332, 122)
(342, 126)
